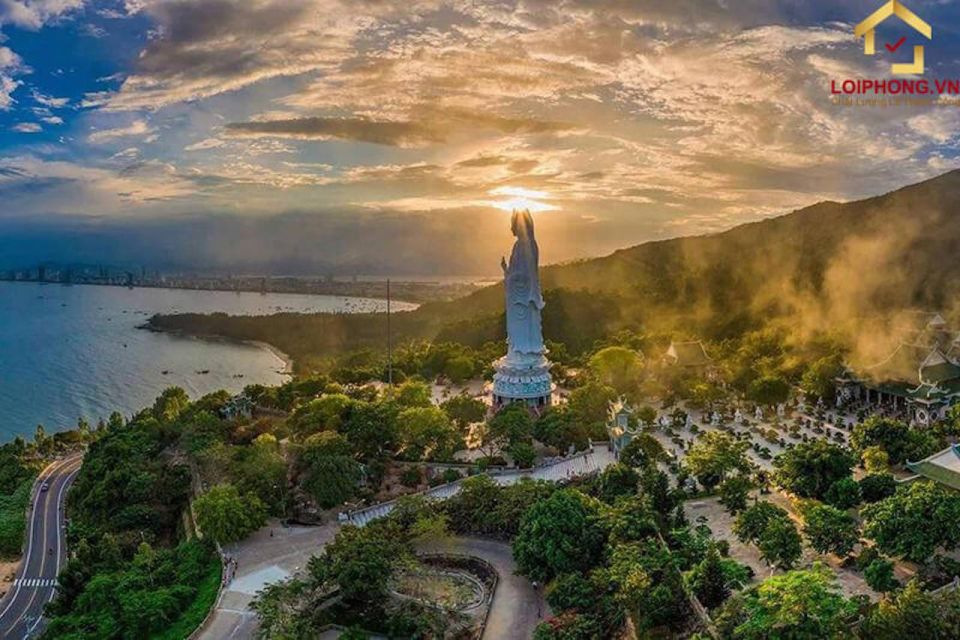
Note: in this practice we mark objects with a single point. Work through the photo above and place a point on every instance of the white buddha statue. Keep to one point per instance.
(524, 301)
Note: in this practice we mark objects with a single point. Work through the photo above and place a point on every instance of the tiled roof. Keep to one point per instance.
(942, 467)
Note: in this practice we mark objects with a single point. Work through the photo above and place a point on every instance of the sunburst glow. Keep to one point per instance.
(518, 198)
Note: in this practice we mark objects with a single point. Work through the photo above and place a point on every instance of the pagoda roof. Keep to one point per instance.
(912, 365)
(942, 467)
(688, 354)
(940, 372)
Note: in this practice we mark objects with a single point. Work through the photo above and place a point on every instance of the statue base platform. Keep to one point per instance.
(522, 378)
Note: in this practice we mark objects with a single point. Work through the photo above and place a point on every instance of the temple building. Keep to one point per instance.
(920, 379)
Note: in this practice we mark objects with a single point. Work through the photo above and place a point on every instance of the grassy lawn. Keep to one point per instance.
(13, 520)
(205, 599)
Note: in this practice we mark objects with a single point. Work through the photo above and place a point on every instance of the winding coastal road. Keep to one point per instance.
(21, 610)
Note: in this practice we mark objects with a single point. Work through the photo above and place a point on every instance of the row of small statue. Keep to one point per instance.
(716, 418)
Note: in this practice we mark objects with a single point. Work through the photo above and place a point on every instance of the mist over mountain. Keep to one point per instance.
(844, 269)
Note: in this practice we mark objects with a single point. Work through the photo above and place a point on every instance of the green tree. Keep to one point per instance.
(714, 455)
(559, 535)
(361, 561)
(751, 523)
(327, 443)
(711, 586)
(592, 598)
(818, 380)
(330, 480)
(734, 493)
(260, 469)
(523, 454)
(810, 468)
(618, 368)
(769, 390)
(889, 435)
(426, 432)
(830, 530)
(371, 429)
(226, 516)
(326, 413)
(646, 415)
(464, 410)
(844, 493)
(642, 450)
(913, 612)
(618, 481)
(800, 605)
(459, 369)
(646, 582)
(877, 486)
(559, 429)
(879, 575)
(414, 394)
(41, 439)
(780, 544)
(875, 459)
(656, 487)
(170, 404)
(589, 405)
(915, 521)
(511, 424)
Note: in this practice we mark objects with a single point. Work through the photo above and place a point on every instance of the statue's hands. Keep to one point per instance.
(503, 264)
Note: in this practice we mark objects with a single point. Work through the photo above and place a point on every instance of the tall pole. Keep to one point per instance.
(389, 344)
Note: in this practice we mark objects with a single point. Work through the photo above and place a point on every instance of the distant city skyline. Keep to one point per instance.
(309, 135)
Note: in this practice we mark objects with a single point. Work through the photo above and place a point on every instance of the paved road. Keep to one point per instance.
(21, 610)
(262, 559)
(517, 607)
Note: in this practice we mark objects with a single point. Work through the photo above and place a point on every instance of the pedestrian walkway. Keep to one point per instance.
(599, 457)
(35, 582)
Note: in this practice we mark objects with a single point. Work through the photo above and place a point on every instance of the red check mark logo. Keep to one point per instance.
(893, 48)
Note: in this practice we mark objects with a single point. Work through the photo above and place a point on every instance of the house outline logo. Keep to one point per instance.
(867, 31)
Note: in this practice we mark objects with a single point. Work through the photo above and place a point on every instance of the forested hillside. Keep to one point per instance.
(843, 268)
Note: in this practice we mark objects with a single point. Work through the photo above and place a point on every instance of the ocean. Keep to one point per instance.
(75, 351)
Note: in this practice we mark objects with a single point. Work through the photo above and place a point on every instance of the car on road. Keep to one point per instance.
(44, 486)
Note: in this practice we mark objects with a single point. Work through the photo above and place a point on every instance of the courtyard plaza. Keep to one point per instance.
(709, 511)
(768, 437)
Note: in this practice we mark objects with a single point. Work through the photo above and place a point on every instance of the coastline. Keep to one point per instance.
(288, 362)
(349, 290)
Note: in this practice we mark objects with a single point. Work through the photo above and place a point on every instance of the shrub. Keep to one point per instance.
(879, 575)
(844, 493)
(877, 486)
(411, 477)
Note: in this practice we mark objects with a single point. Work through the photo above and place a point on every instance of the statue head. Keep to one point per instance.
(521, 224)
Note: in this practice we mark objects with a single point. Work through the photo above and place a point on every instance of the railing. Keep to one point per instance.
(355, 516)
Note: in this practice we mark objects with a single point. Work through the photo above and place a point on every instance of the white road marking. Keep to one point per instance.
(33, 521)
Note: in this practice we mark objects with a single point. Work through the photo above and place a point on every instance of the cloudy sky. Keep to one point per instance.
(375, 135)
